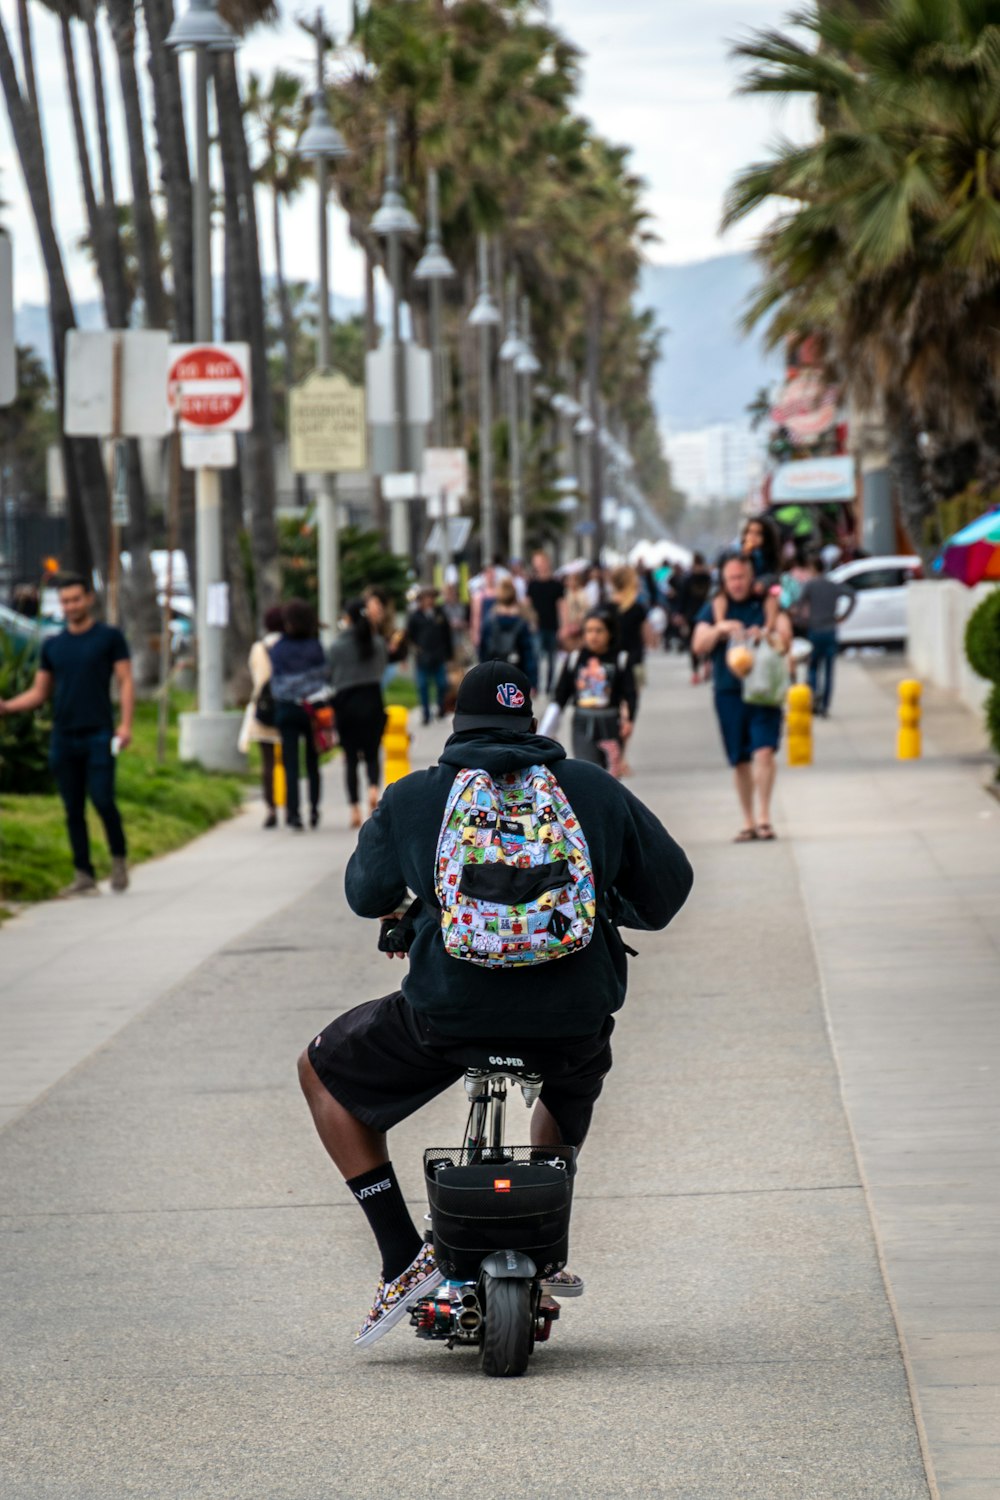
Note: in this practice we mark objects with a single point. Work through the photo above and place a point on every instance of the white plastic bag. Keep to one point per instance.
(766, 683)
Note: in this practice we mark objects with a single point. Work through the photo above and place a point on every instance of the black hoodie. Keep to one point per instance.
(639, 871)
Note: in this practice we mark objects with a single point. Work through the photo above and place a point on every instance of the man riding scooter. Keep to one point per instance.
(522, 862)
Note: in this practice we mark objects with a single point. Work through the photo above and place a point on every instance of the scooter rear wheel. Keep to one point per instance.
(508, 1326)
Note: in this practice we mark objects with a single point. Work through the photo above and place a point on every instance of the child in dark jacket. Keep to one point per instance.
(599, 682)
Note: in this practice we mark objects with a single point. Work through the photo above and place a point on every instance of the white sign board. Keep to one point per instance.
(208, 450)
(326, 426)
(445, 480)
(208, 385)
(8, 341)
(91, 398)
(380, 384)
(400, 487)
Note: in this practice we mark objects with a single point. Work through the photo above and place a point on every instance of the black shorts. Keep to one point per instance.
(383, 1061)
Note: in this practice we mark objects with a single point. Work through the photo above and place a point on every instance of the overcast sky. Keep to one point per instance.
(656, 78)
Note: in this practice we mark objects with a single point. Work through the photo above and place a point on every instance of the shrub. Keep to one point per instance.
(982, 638)
(24, 738)
(993, 716)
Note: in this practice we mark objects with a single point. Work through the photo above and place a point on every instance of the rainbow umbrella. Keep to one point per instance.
(972, 555)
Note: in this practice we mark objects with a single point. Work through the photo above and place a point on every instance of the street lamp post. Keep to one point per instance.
(485, 316)
(435, 269)
(510, 352)
(526, 367)
(392, 219)
(207, 736)
(322, 143)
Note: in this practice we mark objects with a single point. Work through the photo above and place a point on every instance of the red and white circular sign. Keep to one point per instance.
(208, 386)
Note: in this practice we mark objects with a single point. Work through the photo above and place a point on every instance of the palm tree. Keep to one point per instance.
(85, 478)
(276, 113)
(891, 248)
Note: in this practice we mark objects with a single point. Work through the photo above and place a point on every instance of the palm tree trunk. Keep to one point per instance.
(28, 54)
(121, 14)
(287, 329)
(175, 176)
(85, 483)
(83, 151)
(115, 290)
(380, 511)
(260, 443)
(240, 632)
(916, 500)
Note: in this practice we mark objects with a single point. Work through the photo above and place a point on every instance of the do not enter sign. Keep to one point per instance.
(208, 387)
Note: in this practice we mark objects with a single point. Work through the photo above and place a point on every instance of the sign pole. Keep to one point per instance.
(329, 535)
(114, 534)
(173, 497)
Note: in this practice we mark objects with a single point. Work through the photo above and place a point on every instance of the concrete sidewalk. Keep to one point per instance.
(900, 871)
(184, 1270)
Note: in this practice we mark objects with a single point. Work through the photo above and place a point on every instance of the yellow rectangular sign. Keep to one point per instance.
(326, 426)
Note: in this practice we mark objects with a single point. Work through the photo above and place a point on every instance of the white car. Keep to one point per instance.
(879, 614)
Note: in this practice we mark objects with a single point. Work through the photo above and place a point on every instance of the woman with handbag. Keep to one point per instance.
(259, 726)
(298, 673)
(726, 630)
(358, 659)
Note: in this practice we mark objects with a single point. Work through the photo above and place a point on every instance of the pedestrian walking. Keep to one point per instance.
(598, 681)
(507, 635)
(750, 732)
(822, 607)
(429, 632)
(690, 595)
(76, 669)
(259, 727)
(299, 673)
(358, 659)
(575, 609)
(545, 593)
(632, 614)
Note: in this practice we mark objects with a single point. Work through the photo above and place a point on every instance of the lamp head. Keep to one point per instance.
(201, 26)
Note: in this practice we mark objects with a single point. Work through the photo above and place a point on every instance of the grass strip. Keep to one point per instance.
(162, 808)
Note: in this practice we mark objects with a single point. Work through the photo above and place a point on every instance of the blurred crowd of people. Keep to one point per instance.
(581, 634)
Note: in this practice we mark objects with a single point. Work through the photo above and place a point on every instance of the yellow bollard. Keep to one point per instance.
(280, 783)
(908, 741)
(799, 725)
(396, 744)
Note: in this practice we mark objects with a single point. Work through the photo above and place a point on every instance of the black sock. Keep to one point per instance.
(381, 1198)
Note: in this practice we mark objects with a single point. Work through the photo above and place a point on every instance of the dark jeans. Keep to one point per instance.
(439, 677)
(293, 725)
(548, 651)
(824, 654)
(83, 766)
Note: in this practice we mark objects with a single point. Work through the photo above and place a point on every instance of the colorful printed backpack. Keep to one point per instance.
(514, 878)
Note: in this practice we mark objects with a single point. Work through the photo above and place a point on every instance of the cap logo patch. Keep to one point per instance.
(509, 695)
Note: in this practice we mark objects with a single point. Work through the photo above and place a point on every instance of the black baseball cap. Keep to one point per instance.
(494, 695)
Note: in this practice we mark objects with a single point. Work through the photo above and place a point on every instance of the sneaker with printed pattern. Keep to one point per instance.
(563, 1284)
(394, 1298)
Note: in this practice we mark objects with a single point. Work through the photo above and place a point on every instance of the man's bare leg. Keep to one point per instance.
(354, 1148)
(764, 771)
(743, 776)
(544, 1130)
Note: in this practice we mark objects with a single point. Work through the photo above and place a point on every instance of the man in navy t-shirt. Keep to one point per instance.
(750, 731)
(75, 671)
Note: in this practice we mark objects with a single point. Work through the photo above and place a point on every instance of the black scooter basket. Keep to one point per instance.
(520, 1202)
